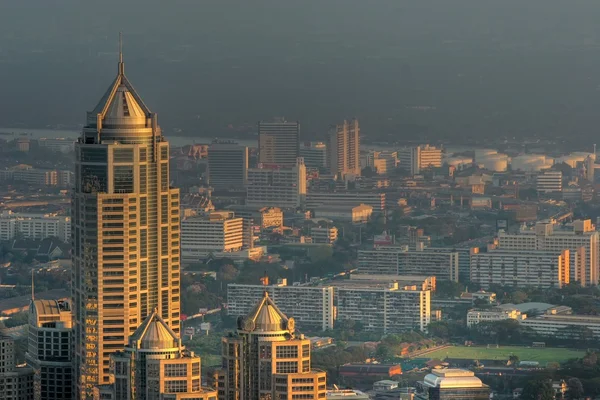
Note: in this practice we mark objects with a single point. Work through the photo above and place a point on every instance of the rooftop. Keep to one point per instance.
(452, 378)
(154, 334)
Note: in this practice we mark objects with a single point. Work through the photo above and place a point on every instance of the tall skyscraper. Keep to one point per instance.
(278, 142)
(267, 359)
(344, 148)
(155, 365)
(125, 231)
(227, 165)
(49, 349)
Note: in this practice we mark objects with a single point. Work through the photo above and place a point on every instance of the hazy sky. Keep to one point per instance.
(429, 68)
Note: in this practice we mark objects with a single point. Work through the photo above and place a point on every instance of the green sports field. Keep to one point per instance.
(543, 355)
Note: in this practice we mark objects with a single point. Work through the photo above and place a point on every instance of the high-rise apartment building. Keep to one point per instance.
(311, 305)
(155, 365)
(580, 238)
(344, 148)
(278, 142)
(549, 182)
(227, 165)
(384, 307)
(398, 260)
(267, 359)
(521, 268)
(125, 231)
(274, 186)
(415, 159)
(16, 382)
(49, 349)
(314, 154)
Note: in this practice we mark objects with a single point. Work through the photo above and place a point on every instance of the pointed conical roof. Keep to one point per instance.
(267, 317)
(154, 334)
(120, 106)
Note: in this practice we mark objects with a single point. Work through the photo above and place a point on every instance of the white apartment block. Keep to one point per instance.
(579, 238)
(274, 186)
(312, 307)
(324, 235)
(521, 268)
(387, 308)
(28, 174)
(343, 199)
(398, 260)
(549, 182)
(34, 226)
(219, 231)
(476, 316)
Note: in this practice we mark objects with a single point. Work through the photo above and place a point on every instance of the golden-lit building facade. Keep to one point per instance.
(125, 232)
(266, 359)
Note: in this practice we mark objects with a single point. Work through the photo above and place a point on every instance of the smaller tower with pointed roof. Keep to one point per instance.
(267, 359)
(155, 365)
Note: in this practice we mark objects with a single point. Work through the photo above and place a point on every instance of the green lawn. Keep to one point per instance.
(543, 356)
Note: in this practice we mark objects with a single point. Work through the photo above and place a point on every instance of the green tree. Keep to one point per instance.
(539, 389)
(574, 389)
(513, 360)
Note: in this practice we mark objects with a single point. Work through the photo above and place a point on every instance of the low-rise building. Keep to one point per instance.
(421, 281)
(521, 268)
(264, 217)
(385, 385)
(34, 226)
(217, 232)
(452, 384)
(359, 214)
(563, 326)
(347, 198)
(478, 315)
(346, 394)
(370, 370)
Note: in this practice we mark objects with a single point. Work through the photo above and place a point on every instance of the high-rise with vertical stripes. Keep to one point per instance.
(278, 142)
(125, 231)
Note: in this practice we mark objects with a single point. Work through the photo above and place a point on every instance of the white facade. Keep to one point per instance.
(521, 268)
(476, 316)
(270, 186)
(311, 306)
(580, 238)
(34, 226)
(387, 309)
(220, 231)
(549, 182)
(560, 325)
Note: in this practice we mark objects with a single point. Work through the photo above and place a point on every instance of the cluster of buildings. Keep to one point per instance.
(380, 304)
(37, 176)
(34, 226)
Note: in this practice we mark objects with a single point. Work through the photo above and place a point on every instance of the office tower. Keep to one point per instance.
(267, 359)
(521, 268)
(274, 186)
(125, 231)
(383, 306)
(312, 306)
(155, 365)
(49, 349)
(16, 383)
(418, 158)
(278, 142)
(217, 232)
(549, 182)
(227, 165)
(344, 148)
(580, 238)
(314, 154)
(451, 384)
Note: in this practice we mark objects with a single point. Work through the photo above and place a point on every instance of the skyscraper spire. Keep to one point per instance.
(121, 64)
(32, 287)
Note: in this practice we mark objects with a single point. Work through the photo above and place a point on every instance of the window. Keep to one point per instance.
(123, 179)
(123, 155)
(286, 367)
(287, 352)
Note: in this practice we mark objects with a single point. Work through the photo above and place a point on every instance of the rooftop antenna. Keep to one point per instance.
(121, 65)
